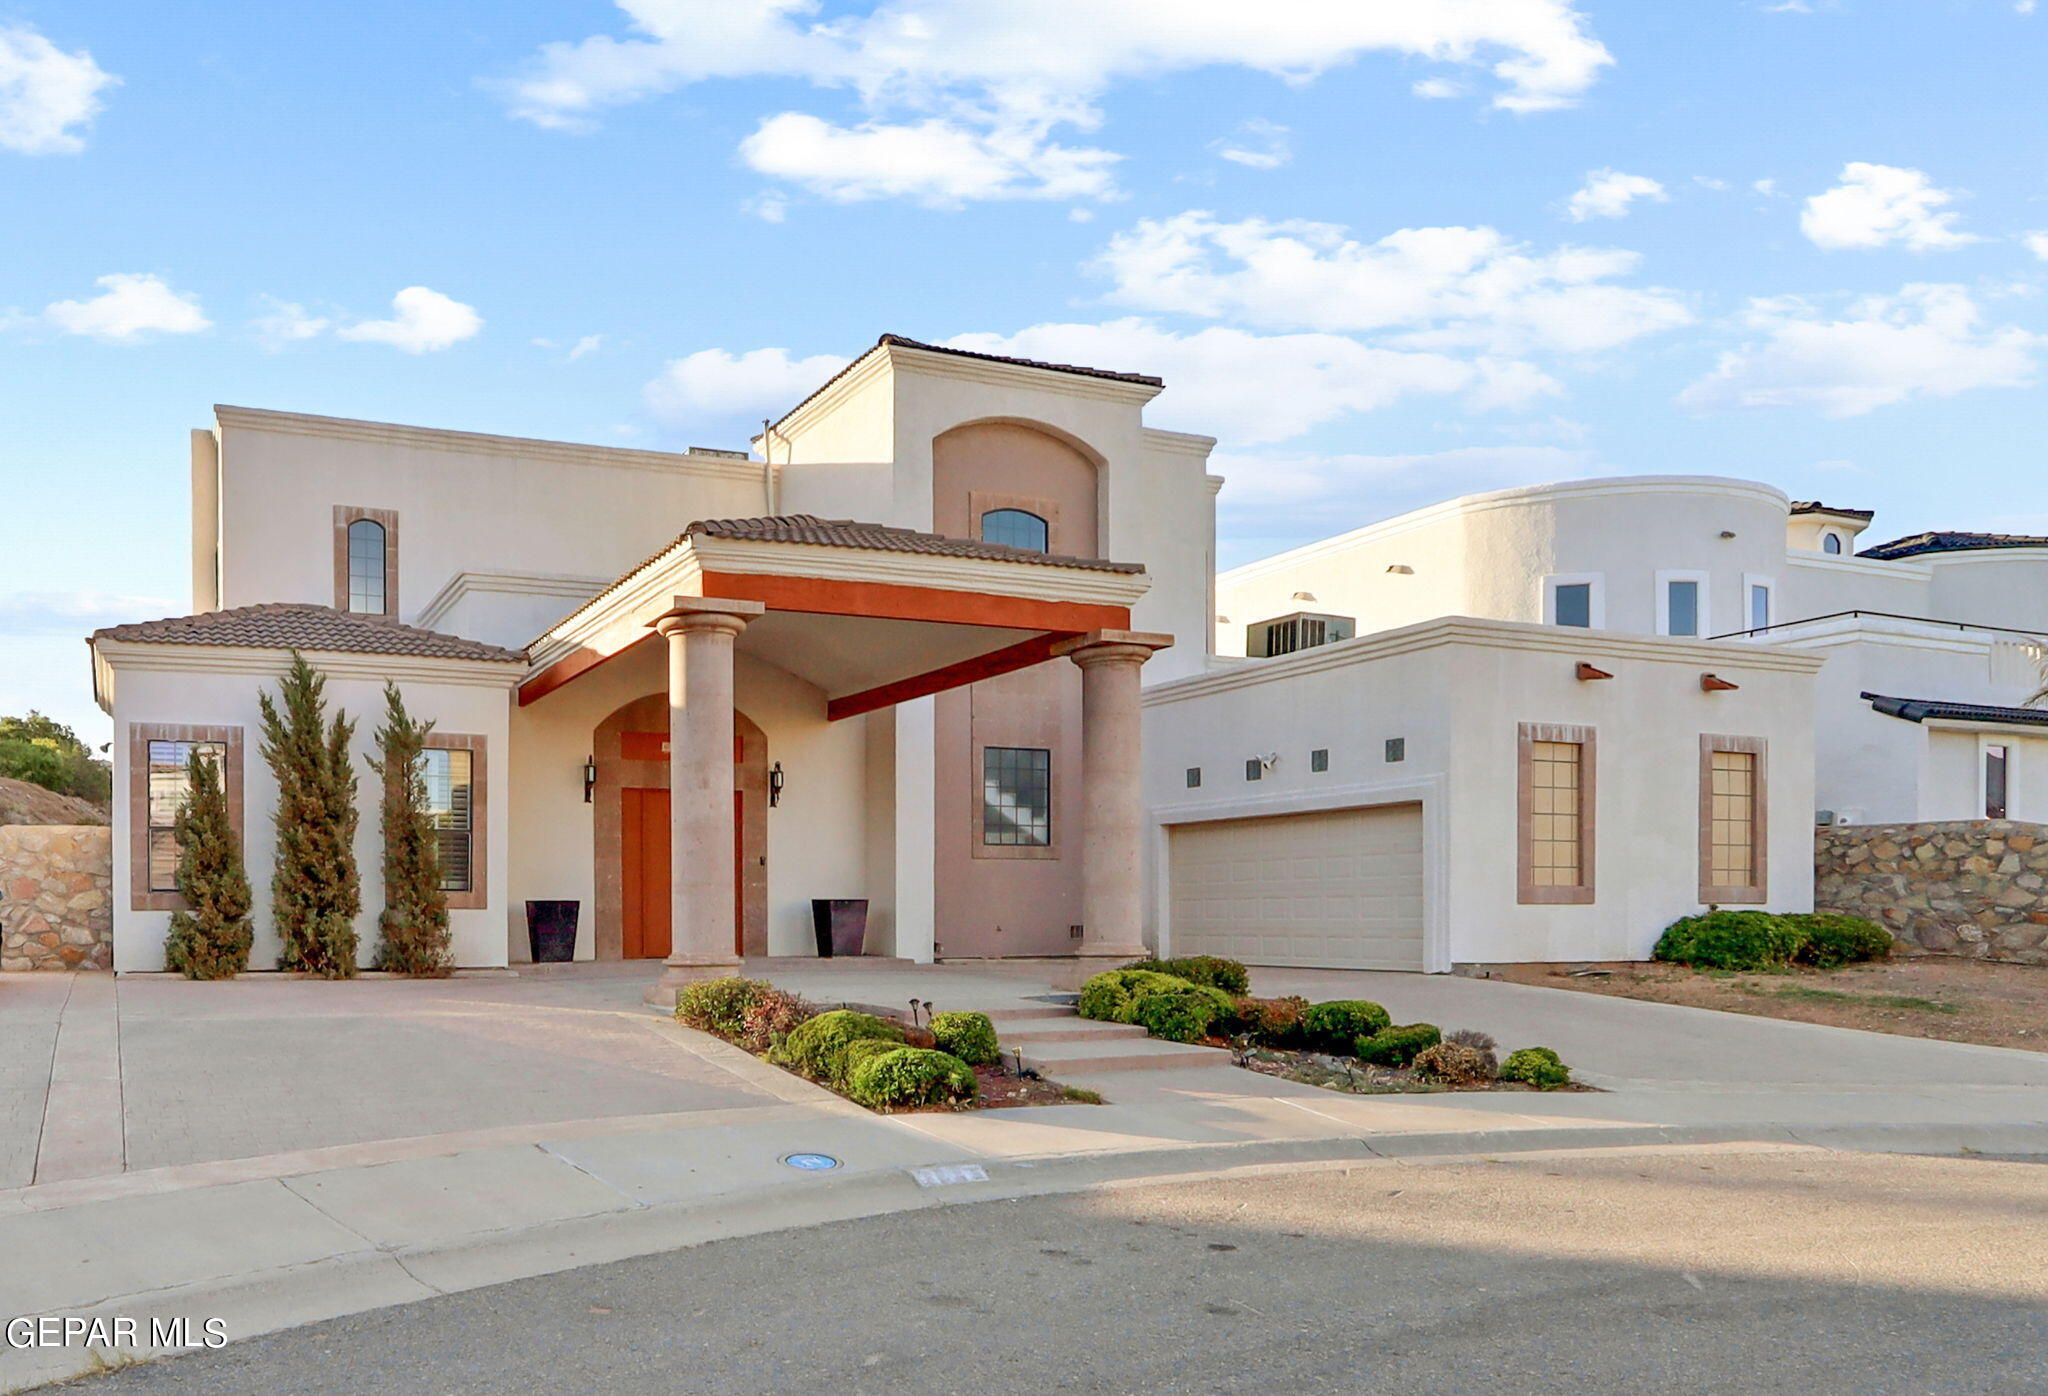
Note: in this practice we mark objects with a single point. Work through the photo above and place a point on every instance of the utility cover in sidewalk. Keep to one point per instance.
(811, 1163)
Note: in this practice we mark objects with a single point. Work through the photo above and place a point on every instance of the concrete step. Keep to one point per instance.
(1069, 1029)
(1056, 1059)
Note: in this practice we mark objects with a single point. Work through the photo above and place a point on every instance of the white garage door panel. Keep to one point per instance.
(1335, 888)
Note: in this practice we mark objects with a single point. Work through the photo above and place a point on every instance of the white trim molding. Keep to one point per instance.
(463, 584)
(1703, 618)
(1596, 598)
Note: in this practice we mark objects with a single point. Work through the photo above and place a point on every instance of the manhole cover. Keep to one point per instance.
(811, 1163)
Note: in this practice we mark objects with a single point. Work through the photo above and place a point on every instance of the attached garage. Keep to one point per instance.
(1337, 889)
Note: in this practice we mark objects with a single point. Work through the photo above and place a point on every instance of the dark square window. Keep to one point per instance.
(1397, 749)
(1319, 759)
(1254, 769)
(1016, 797)
(1194, 777)
(1575, 605)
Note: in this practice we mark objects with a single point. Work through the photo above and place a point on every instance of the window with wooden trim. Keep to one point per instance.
(452, 769)
(1555, 807)
(158, 783)
(1734, 809)
(366, 561)
(1016, 796)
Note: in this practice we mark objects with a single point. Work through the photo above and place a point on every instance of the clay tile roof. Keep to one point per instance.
(1920, 709)
(1922, 543)
(846, 533)
(287, 625)
(1814, 506)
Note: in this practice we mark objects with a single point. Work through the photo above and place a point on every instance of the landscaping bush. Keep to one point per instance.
(1536, 1066)
(1182, 1013)
(1737, 940)
(1480, 1042)
(773, 1015)
(1212, 970)
(1834, 940)
(719, 1006)
(854, 1053)
(210, 936)
(314, 890)
(413, 926)
(911, 1076)
(1109, 995)
(969, 1036)
(817, 1046)
(1267, 1022)
(1455, 1064)
(1397, 1047)
(1337, 1026)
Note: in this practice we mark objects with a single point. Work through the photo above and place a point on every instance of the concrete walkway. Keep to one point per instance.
(347, 1146)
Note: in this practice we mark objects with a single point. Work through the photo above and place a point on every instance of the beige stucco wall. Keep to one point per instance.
(1457, 692)
(156, 687)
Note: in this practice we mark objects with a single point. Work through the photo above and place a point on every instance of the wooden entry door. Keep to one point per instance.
(644, 848)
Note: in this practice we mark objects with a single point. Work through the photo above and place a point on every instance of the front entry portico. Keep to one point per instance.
(868, 622)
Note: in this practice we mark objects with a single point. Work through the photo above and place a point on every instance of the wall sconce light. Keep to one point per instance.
(1401, 569)
(775, 785)
(589, 777)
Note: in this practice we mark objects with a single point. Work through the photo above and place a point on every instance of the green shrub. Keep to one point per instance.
(1267, 1022)
(1182, 1013)
(1740, 940)
(1212, 970)
(969, 1036)
(1397, 1046)
(719, 1006)
(817, 1047)
(1833, 940)
(1536, 1066)
(1337, 1026)
(911, 1076)
(858, 1051)
(1455, 1064)
(1108, 995)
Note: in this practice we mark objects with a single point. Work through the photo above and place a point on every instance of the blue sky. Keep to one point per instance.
(1386, 252)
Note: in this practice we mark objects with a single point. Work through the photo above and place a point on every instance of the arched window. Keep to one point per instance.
(1015, 528)
(367, 543)
(1831, 544)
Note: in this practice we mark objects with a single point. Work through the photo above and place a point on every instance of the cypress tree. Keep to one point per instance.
(415, 917)
(210, 937)
(314, 891)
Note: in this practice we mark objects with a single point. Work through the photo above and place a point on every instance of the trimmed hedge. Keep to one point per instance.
(1109, 996)
(1211, 970)
(1455, 1064)
(817, 1048)
(1763, 940)
(1181, 1014)
(969, 1036)
(1267, 1022)
(911, 1076)
(1397, 1047)
(720, 1005)
(1336, 1026)
(1537, 1066)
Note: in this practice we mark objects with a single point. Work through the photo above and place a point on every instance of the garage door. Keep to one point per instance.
(1340, 889)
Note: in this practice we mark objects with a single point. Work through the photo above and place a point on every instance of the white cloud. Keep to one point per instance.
(425, 321)
(1251, 388)
(717, 384)
(587, 345)
(984, 84)
(770, 206)
(1608, 193)
(939, 162)
(130, 307)
(1926, 341)
(1442, 287)
(1878, 205)
(287, 323)
(1258, 144)
(1766, 187)
(1438, 89)
(76, 613)
(47, 97)
(2036, 243)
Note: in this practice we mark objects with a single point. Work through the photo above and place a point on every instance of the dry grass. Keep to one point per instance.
(1998, 1005)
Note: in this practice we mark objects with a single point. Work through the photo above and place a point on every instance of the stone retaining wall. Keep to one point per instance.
(56, 896)
(1976, 888)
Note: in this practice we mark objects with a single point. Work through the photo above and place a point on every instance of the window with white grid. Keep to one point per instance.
(1016, 797)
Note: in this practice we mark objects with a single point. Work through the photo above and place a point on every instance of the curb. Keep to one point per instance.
(355, 1281)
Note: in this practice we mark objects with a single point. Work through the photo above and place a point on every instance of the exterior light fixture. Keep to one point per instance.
(775, 785)
(589, 777)
(1401, 569)
(1304, 596)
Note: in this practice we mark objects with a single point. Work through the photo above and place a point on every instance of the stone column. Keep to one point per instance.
(700, 632)
(1112, 797)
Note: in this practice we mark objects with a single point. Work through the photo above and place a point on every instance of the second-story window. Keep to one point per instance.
(1016, 528)
(1683, 600)
(1831, 544)
(367, 547)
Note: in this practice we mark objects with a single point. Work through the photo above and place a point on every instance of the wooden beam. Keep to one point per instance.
(1711, 683)
(1007, 660)
(1587, 673)
(889, 601)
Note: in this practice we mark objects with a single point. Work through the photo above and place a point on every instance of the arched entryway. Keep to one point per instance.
(631, 829)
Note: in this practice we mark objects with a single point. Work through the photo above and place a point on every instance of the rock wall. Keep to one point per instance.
(1976, 888)
(56, 897)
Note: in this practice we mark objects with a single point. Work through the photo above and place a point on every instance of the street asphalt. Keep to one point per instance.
(1733, 1269)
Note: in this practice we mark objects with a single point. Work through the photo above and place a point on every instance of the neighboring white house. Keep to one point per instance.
(694, 692)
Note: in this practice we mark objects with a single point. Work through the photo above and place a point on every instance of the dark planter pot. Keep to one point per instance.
(551, 931)
(841, 925)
